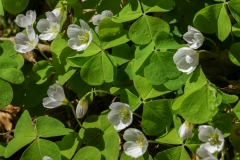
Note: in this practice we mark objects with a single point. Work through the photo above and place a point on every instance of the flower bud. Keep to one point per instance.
(82, 107)
(185, 131)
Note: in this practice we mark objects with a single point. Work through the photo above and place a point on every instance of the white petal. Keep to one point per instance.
(210, 148)
(96, 19)
(47, 158)
(43, 25)
(106, 14)
(51, 17)
(21, 38)
(22, 48)
(132, 149)
(184, 131)
(190, 28)
(204, 154)
(132, 134)
(116, 106)
(81, 110)
(21, 21)
(31, 17)
(113, 117)
(84, 25)
(49, 102)
(73, 31)
(46, 36)
(204, 132)
(35, 41)
(31, 33)
(96, 29)
(57, 13)
(76, 44)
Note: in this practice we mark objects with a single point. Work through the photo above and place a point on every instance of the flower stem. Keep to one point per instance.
(137, 115)
(98, 46)
(74, 113)
(215, 45)
(44, 55)
(101, 91)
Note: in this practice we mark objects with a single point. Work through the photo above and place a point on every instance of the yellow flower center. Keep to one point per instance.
(84, 38)
(31, 43)
(54, 29)
(124, 114)
(140, 141)
(213, 140)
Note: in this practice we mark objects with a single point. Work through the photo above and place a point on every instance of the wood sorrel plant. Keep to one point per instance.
(123, 79)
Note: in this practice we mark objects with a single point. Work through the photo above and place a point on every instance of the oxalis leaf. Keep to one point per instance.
(200, 105)
(6, 93)
(161, 68)
(156, 116)
(23, 134)
(99, 69)
(87, 153)
(145, 29)
(213, 19)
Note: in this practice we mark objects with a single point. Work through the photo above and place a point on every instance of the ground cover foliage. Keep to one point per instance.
(119, 79)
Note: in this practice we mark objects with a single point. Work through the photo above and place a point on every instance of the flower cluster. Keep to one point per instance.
(186, 58)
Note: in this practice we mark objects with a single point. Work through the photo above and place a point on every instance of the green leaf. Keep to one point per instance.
(41, 71)
(23, 134)
(227, 98)
(6, 63)
(222, 121)
(68, 145)
(236, 110)
(71, 1)
(119, 39)
(108, 29)
(122, 53)
(78, 60)
(236, 29)
(147, 90)
(145, 156)
(2, 149)
(234, 54)
(87, 153)
(12, 75)
(40, 148)
(234, 7)
(165, 41)
(161, 68)
(156, 116)
(213, 19)
(175, 84)
(129, 98)
(235, 136)
(196, 81)
(78, 85)
(1, 8)
(50, 127)
(99, 69)
(157, 6)
(125, 75)
(132, 10)
(108, 144)
(146, 28)
(15, 6)
(6, 93)
(176, 153)
(224, 24)
(171, 138)
(199, 106)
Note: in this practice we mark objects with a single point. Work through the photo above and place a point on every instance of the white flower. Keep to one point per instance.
(56, 96)
(186, 59)
(24, 21)
(120, 115)
(194, 38)
(47, 158)
(50, 27)
(96, 19)
(213, 137)
(204, 154)
(58, 13)
(185, 131)
(82, 107)
(25, 43)
(136, 144)
(80, 37)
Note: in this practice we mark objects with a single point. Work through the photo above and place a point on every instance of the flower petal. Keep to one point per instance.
(204, 132)
(49, 102)
(31, 33)
(81, 110)
(76, 44)
(31, 17)
(84, 25)
(96, 19)
(43, 25)
(106, 14)
(73, 31)
(51, 17)
(21, 38)
(132, 149)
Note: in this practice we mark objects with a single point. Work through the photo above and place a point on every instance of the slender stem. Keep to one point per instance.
(101, 91)
(137, 115)
(44, 55)
(74, 113)
(215, 45)
(98, 45)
